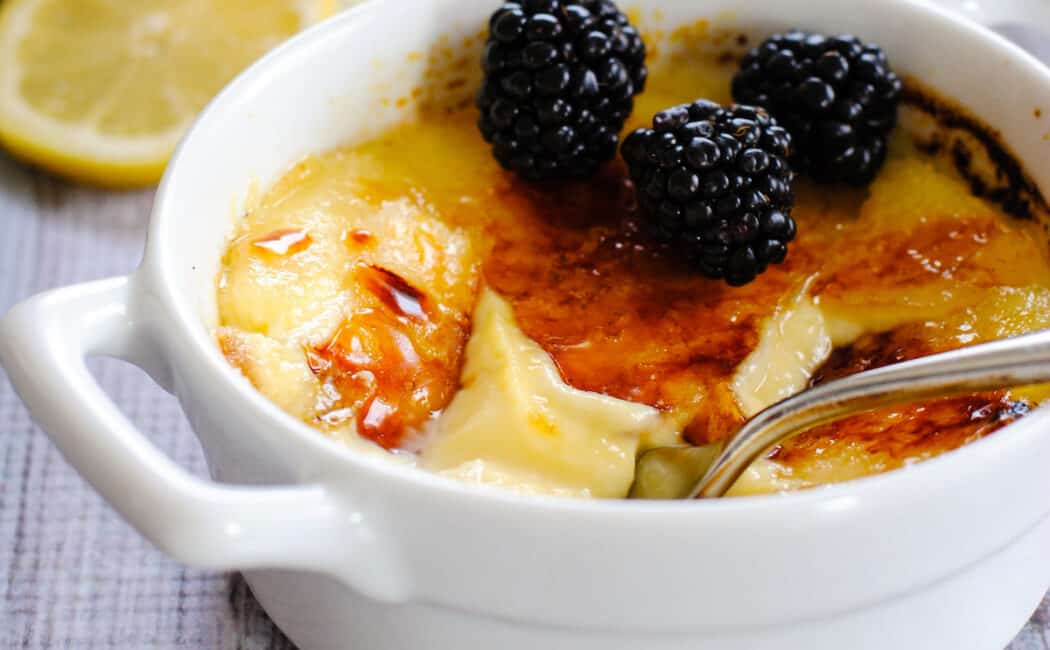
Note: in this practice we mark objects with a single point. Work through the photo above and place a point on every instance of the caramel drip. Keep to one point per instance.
(375, 363)
(395, 292)
(360, 237)
(283, 242)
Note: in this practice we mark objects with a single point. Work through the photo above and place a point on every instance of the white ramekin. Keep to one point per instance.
(348, 551)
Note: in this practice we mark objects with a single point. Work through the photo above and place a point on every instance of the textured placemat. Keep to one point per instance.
(73, 574)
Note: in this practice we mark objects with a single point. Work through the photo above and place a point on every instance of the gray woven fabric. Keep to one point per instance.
(73, 574)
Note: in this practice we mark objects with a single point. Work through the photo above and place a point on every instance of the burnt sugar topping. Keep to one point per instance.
(885, 440)
(375, 369)
(396, 294)
(978, 154)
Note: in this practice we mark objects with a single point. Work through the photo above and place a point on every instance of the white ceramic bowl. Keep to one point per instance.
(348, 551)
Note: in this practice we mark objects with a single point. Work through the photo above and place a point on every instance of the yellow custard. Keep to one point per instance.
(409, 292)
(550, 436)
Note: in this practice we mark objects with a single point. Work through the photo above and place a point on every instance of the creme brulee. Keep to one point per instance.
(409, 294)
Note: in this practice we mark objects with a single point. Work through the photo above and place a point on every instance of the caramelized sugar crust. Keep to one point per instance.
(891, 437)
(885, 440)
(347, 303)
(384, 380)
(621, 316)
(872, 351)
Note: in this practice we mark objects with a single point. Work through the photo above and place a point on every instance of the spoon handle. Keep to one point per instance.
(1018, 361)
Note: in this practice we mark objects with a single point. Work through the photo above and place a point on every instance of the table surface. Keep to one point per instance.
(74, 574)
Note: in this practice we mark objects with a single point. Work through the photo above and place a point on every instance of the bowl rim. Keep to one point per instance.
(184, 323)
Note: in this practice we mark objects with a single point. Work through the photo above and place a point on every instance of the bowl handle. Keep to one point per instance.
(43, 344)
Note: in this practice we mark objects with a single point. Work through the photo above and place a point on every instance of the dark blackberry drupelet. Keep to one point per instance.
(837, 97)
(559, 82)
(714, 182)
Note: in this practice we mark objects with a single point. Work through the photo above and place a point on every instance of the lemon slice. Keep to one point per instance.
(101, 90)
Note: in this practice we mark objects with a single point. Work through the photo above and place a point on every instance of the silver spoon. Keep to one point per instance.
(1018, 361)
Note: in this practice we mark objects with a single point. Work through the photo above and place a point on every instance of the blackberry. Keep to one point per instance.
(559, 82)
(714, 182)
(836, 96)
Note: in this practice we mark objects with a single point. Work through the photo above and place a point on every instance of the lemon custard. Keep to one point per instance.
(409, 294)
